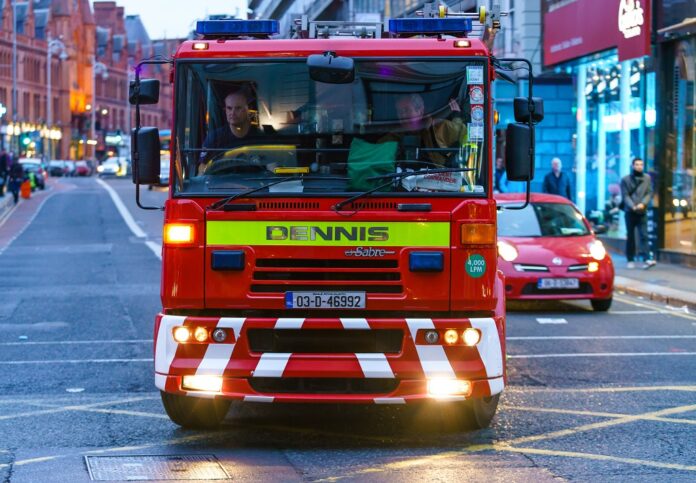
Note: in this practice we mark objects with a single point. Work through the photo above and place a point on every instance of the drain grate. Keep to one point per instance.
(155, 467)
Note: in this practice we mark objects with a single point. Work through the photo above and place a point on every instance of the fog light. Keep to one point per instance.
(592, 267)
(675, 202)
(451, 336)
(432, 337)
(202, 383)
(471, 336)
(201, 334)
(448, 387)
(219, 335)
(182, 334)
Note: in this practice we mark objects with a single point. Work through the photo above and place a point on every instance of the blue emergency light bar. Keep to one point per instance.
(423, 26)
(236, 28)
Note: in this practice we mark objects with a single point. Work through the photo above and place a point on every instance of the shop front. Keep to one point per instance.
(676, 152)
(605, 45)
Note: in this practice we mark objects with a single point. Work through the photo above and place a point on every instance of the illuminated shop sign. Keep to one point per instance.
(630, 18)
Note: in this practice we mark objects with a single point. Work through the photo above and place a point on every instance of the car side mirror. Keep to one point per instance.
(145, 91)
(145, 154)
(526, 109)
(519, 152)
(330, 68)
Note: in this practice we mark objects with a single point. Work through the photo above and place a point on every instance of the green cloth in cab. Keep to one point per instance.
(366, 160)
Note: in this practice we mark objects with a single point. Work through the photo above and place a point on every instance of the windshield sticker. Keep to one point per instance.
(475, 265)
(476, 95)
(475, 132)
(433, 182)
(474, 74)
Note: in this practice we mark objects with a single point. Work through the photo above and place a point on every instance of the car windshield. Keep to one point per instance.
(243, 125)
(542, 219)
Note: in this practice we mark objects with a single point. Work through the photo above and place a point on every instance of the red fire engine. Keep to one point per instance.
(330, 233)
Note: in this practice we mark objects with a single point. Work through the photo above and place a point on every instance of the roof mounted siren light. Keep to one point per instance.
(483, 24)
(231, 28)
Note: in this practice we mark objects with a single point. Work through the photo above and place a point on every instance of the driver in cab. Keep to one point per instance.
(238, 129)
(427, 132)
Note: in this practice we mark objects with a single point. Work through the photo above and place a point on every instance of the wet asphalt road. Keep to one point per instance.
(591, 397)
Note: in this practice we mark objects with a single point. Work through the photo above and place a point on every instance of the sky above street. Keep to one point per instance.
(176, 18)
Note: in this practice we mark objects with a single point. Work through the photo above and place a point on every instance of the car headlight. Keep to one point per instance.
(597, 250)
(506, 251)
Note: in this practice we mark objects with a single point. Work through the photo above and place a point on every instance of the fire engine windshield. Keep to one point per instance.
(244, 125)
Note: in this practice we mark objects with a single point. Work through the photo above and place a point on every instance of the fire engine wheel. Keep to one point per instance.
(195, 412)
(601, 305)
(479, 412)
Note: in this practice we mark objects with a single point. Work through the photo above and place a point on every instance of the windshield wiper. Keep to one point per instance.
(221, 203)
(392, 177)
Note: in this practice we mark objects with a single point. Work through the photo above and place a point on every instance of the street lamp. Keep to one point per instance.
(55, 46)
(98, 68)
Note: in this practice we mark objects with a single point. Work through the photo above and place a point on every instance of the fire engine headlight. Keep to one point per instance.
(506, 251)
(432, 337)
(471, 336)
(178, 233)
(202, 383)
(451, 336)
(442, 388)
(597, 250)
(219, 335)
(682, 203)
(200, 334)
(182, 334)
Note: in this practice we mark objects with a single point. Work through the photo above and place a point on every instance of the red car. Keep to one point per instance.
(549, 251)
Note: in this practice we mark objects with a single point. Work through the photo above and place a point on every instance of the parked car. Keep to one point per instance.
(35, 171)
(164, 171)
(58, 168)
(82, 168)
(549, 251)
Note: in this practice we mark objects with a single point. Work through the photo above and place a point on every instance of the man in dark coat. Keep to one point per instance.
(4, 165)
(636, 193)
(557, 182)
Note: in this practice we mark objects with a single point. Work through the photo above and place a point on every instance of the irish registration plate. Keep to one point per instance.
(325, 300)
(562, 283)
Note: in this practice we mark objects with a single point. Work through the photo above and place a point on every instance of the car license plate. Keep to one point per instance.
(562, 283)
(324, 300)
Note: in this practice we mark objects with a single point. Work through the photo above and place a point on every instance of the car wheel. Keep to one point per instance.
(601, 305)
(195, 412)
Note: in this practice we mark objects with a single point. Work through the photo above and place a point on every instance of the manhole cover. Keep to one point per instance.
(155, 467)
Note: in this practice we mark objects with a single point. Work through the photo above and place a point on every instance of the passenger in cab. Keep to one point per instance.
(428, 132)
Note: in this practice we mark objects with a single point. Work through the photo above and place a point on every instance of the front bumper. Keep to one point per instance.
(394, 378)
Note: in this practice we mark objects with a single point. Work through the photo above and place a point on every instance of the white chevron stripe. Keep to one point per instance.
(160, 381)
(496, 385)
(289, 323)
(217, 356)
(375, 365)
(489, 347)
(259, 399)
(355, 324)
(271, 365)
(165, 346)
(433, 358)
(390, 400)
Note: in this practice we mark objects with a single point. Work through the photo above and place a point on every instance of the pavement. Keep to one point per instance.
(665, 283)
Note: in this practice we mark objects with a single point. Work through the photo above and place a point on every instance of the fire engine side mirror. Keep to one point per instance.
(145, 91)
(330, 68)
(524, 109)
(146, 155)
(519, 152)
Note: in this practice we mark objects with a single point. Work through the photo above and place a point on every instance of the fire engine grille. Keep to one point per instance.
(273, 275)
(308, 385)
(325, 341)
(532, 289)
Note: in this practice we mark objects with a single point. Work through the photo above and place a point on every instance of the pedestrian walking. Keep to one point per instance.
(4, 166)
(16, 180)
(636, 193)
(500, 180)
(557, 182)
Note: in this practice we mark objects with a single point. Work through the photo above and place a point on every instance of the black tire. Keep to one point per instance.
(601, 305)
(479, 412)
(195, 412)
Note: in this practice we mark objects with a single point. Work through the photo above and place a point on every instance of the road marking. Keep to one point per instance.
(543, 320)
(601, 337)
(142, 414)
(130, 221)
(78, 342)
(600, 354)
(617, 389)
(659, 309)
(576, 412)
(632, 312)
(73, 361)
(27, 223)
(60, 409)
